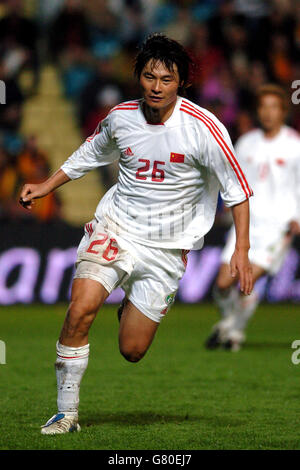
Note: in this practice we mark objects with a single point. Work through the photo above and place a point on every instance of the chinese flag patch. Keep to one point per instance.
(176, 157)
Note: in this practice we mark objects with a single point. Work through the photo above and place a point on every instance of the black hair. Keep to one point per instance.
(159, 47)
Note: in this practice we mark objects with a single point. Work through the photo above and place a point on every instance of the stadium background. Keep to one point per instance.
(66, 63)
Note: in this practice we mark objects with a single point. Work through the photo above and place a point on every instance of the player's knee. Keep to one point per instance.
(222, 284)
(84, 308)
(133, 354)
(224, 279)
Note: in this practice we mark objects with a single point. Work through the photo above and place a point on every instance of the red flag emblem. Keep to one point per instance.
(176, 157)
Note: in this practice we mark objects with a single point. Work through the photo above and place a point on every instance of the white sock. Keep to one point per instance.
(226, 300)
(246, 307)
(70, 366)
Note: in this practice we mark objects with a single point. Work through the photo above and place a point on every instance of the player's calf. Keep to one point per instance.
(136, 333)
(77, 322)
(87, 297)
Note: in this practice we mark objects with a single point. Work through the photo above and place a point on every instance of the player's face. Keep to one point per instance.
(160, 85)
(270, 112)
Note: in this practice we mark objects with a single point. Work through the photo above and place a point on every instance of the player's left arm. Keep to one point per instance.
(235, 192)
(294, 225)
(239, 264)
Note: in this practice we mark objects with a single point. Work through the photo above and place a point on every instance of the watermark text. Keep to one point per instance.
(2, 352)
(2, 92)
(296, 354)
(296, 94)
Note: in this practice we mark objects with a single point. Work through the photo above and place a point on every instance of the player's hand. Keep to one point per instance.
(240, 266)
(30, 192)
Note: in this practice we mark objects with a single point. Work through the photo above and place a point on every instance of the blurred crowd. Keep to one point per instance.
(21, 159)
(236, 46)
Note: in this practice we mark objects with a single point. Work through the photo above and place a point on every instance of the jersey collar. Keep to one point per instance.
(168, 123)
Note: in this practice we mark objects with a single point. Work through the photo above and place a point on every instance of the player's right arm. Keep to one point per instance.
(98, 150)
(34, 191)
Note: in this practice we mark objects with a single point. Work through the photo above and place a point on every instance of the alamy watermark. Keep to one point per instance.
(296, 95)
(2, 92)
(2, 352)
(296, 354)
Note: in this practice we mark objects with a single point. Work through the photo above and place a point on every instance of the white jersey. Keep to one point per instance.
(273, 171)
(170, 174)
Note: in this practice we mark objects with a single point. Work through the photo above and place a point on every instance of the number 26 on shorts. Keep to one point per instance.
(110, 249)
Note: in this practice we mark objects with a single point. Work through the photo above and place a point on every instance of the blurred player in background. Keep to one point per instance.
(270, 156)
(174, 158)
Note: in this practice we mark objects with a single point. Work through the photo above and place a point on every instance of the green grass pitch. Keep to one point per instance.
(180, 396)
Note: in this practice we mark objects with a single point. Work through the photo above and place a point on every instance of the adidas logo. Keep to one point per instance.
(129, 152)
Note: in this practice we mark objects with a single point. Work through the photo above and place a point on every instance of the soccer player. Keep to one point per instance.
(271, 158)
(174, 158)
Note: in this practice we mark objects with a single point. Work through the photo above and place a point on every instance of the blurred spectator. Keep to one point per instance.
(19, 43)
(207, 57)
(296, 32)
(10, 115)
(180, 27)
(104, 28)
(132, 20)
(32, 165)
(279, 22)
(220, 89)
(108, 97)
(221, 21)
(69, 46)
(11, 111)
(280, 59)
(89, 99)
(8, 184)
(77, 69)
(69, 30)
(47, 11)
(253, 9)
(244, 123)
(27, 164)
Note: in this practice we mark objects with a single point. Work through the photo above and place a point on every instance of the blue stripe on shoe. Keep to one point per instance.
(55, 418)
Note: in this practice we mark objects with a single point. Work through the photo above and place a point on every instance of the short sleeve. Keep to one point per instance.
(223, 162)
(98, 150)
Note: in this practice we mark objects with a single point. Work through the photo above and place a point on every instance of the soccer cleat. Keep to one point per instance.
(234, 341)
(214, 340)
(60, 424)
(231, 345)
(121, 308)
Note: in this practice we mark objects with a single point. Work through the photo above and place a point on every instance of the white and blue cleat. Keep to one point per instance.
(61, 424)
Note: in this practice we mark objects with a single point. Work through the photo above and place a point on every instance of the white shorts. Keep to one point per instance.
(148, 276)
(266, 253)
